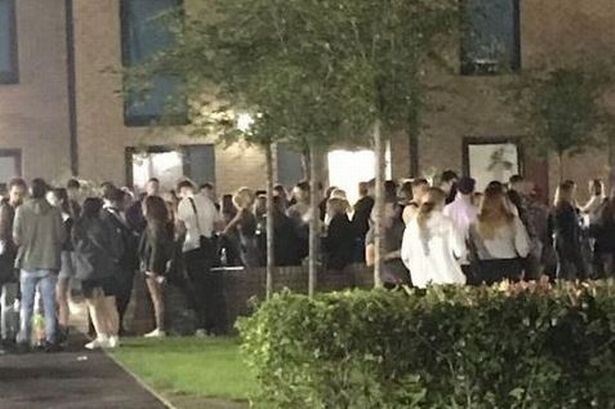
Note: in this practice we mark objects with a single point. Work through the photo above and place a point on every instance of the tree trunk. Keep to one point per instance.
(379, 207)
(270, 228)
(560, 158)
(314, 220)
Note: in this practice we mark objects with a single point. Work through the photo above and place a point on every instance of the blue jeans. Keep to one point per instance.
(46, 280)
(8, 318)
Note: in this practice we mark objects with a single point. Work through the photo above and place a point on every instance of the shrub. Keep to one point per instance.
(447, 347)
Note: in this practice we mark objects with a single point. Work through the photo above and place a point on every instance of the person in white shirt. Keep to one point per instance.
(498, 239)
(432, 244)
(202, 220)
(591, 210)
(463, 212)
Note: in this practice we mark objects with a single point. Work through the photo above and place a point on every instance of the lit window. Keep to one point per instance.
(349, 168)
(488, 160)
(170, 165)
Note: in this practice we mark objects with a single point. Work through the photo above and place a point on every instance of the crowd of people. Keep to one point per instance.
(56, 243)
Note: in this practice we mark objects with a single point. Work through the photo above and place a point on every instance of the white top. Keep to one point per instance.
(462, 212)
(592, 209)
(509, 242)
(432, 257)
(208, 216)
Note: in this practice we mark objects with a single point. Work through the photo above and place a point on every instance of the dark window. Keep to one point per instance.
(200, 163)
(9, 73)
(289, 165)
(10, 164)
(491, 37)
(145, 33)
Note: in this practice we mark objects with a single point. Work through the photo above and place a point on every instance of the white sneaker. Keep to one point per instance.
(200, 333)
(114, 342)
(157, 333)
(98, 343)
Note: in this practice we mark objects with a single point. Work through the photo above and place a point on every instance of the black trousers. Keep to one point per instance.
(494, 271)
(204, 289)
(125, 283)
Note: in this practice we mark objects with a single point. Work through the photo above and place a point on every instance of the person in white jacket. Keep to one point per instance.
(433, 245)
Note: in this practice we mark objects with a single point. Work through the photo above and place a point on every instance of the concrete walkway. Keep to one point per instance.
(69, 380)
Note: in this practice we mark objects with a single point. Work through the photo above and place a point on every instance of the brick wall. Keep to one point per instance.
(34, 112)
(239, 289)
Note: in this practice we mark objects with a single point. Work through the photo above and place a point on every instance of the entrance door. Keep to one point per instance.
(349, 168)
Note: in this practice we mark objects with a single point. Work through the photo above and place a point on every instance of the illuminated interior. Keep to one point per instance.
(348, 168)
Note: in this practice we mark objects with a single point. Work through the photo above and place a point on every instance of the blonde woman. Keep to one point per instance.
(498, 239)
(432, 244)
(245, 225)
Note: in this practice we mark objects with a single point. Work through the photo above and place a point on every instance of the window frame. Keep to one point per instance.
(467, 141)
(12, 76)
(471, 68)
(130, 151)
(142, 120)
(18, 156)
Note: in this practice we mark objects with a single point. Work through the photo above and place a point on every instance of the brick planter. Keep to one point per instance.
(240, 287)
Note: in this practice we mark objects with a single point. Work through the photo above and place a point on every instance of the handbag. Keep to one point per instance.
(207, 246)
(203, 241)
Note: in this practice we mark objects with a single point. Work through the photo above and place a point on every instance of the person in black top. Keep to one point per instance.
(339, 243)
(566, 228)
(603, 230)
(134, 213)
(18, 190)
(156, 251)
(322, 206)
(97, 253)
(285, 246)
(229, 240)
(59, 198)
(113, 213)
(244, 226)
(448, 183)
(360, 220)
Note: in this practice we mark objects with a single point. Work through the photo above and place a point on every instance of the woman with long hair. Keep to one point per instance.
(339, 243)
(97, 253)
(59, 198)
(156, 251)
(567, 233)
(498, 239)
(432, 244)
(603, 230)
(244, 225)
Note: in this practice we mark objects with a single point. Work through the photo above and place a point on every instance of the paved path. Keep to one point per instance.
(69, 380)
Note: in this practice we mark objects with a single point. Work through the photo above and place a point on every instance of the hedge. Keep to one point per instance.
(531, 346)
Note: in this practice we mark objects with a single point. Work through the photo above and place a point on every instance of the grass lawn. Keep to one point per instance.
(189, 366)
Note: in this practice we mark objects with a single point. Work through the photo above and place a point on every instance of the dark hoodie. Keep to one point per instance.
(39, 233)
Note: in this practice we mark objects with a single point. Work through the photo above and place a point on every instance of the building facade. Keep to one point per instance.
(62, 112)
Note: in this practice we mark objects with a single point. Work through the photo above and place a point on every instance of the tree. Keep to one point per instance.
(383, 49)
(562, 107)
(271, 58)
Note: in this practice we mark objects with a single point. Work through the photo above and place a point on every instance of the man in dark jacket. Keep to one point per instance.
(39, 234)
(360, 220)
(114, 215)
(18, 190)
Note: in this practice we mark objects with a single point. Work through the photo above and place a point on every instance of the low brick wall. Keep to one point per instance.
(239, 288)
